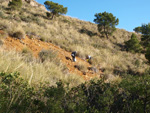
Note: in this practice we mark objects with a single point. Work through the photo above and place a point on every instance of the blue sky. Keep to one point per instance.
(131, 13)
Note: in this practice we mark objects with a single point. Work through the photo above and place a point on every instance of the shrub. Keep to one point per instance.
(19, 34)
(147, 55)
(2, 15)
(133, 45)
(25, 19)
(145, 31)
(15, 93)
(15, 4)
(3, 26)
(47, 55)
(17, 18)
(28, 55)
(81, 67)
(26, 50)
(3, 34)
(42, 39)
(95, 96)
(137, 63)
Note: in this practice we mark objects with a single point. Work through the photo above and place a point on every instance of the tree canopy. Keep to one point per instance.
(137, 29)
(145, 38)
(133, 45)
(55, 9)
(145, 30)
(106, 23)
(15, 4)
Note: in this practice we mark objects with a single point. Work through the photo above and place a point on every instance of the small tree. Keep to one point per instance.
(137, 29)
(133, 45)
(15, 4)
(147, 55)
(106, 23)
(55, 8)
(145, 30)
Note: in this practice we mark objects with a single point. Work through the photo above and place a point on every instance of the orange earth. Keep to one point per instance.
(36, 46)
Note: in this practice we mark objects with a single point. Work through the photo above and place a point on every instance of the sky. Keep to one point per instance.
(131, 13)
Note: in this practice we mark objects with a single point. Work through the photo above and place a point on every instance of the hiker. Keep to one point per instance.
(73, 54)
(88, 58)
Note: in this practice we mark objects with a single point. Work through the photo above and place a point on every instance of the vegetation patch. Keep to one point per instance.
(81, 67)
(92, 96)
(48, 55)
(19, 34)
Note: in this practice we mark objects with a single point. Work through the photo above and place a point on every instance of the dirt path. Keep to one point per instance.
(36, 46)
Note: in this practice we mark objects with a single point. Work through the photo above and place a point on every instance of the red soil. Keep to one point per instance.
(36, 46)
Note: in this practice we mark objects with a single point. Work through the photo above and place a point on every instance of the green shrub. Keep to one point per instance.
(15, 93)
(25, 19)
(55, 97)
(133, 45)
(15, 4)
(95, 96)
(147, 54)
(137, 63)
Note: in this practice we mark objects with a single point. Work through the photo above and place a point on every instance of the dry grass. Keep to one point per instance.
(34, 71)
(73, 34)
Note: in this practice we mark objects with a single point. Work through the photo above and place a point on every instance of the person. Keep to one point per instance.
(73, 54)
(88, 58)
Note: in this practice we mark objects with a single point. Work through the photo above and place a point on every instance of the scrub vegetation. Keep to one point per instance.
(43, 83)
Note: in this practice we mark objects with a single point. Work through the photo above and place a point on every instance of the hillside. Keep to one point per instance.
(64, 35)
(36, 46)
(37, 74)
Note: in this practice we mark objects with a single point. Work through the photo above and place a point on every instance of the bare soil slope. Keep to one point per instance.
(36, 46)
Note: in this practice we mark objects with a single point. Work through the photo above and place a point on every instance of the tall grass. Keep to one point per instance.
(35, 71)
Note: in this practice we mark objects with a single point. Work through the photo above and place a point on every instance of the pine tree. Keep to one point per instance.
(137, 29)
(106, 23)
(55, 9)
(133, 45)
(15, 4)
(145, 30)
(147, 54)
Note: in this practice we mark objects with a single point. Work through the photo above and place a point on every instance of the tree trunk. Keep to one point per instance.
(52, 16)
(105, 32)
(106, 35)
